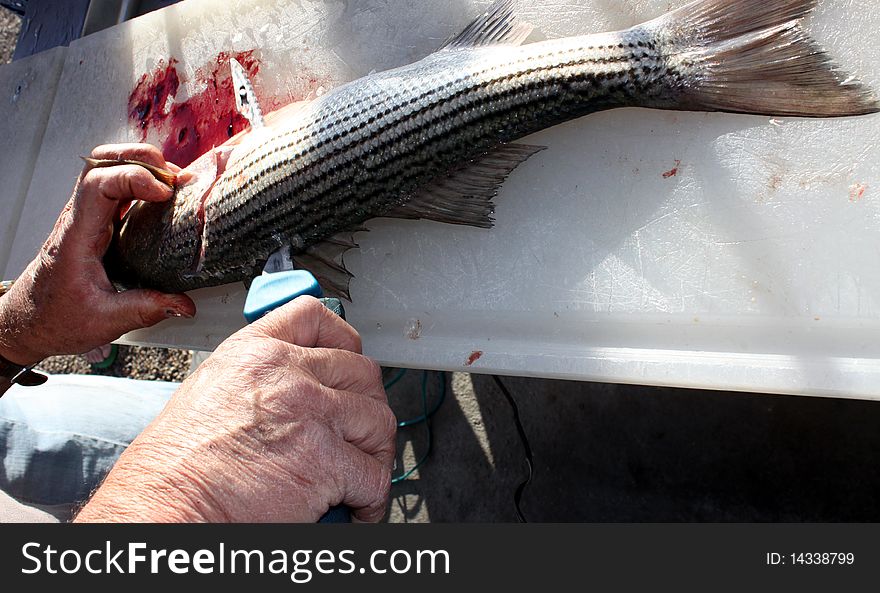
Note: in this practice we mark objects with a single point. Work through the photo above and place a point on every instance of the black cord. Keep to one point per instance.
(517, 496)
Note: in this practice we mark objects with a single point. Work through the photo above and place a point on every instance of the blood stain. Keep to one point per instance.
(857, 191)
(673, 171)
(188, 129)
(474, 357)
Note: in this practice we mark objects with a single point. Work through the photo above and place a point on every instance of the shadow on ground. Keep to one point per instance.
(633, 453)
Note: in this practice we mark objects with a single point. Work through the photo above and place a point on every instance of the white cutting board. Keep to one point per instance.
(754, 266)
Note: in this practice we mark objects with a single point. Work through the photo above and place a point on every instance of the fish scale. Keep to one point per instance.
(432, 139)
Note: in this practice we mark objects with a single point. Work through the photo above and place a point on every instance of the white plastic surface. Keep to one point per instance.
(27, 91)
(689, 249)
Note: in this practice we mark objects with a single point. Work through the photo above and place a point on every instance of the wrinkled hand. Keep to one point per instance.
(283, 421)
(64, 303)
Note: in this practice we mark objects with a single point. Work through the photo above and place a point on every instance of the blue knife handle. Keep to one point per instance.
(334, 305)
(270, 291)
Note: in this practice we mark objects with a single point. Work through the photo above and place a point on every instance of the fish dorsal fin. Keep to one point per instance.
(499, 25)
(464, 195)
(245, 97)
(325, 261)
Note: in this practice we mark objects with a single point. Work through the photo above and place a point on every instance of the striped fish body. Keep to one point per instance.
(433, 139)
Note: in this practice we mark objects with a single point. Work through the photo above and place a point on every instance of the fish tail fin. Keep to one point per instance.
(754, 56)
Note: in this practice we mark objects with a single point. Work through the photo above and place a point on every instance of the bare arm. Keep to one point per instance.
(285, 420)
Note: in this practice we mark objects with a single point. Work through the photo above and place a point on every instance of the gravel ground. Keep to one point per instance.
(151, 364)
(10, 24)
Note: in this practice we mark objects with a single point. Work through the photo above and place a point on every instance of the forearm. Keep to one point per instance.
(13, 353)
(11, 362)
(145, 504)
(141, 489)
(16, 309)
(135, 503)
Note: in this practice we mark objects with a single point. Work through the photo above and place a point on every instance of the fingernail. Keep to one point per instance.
(169, 313)
(184, 177)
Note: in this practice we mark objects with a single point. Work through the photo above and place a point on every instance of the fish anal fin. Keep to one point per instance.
(499, 25)
(325, 261)
(464, 195)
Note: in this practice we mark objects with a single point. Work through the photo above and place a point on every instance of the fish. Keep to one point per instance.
(437, 138)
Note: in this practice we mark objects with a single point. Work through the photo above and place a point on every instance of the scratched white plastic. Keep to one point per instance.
(27, 90)
(689, 249)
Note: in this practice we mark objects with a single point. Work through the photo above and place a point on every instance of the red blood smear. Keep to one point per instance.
(191, 128)
(474, 357)
(147, 101)
(674, 171)
(857, 192)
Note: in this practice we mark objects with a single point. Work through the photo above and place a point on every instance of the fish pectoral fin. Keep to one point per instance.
(499, 25)
(464, 196)
(325, 261)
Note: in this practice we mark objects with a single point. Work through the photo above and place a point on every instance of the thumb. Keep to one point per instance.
(139, 308)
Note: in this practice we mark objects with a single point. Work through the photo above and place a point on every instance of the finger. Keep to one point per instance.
(124, 182)
(184, 176)
(102, 191)
(348, 371)
(306, 322)
(139, 308)
(146, 153)
(366, 482)
(366, 423)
